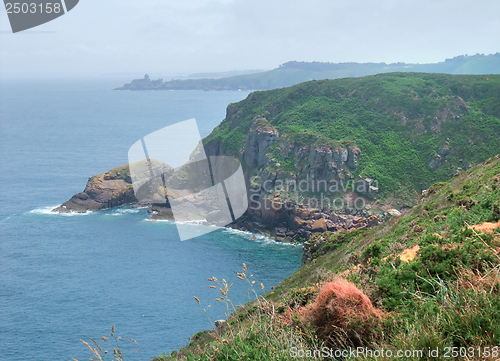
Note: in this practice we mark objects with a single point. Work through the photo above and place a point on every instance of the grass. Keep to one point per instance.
(250, 332)
(110, 348)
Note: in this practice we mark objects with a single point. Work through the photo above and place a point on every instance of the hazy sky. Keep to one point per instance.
(168, 37)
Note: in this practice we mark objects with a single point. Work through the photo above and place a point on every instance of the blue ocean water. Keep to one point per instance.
(69, 277)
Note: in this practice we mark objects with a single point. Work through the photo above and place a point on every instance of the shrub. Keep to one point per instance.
(343, 315)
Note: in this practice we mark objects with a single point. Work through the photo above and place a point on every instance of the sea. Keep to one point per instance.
(71, 277)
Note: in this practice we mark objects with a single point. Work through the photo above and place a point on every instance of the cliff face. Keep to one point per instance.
(276, 163)
(279, 172)
(315, 161)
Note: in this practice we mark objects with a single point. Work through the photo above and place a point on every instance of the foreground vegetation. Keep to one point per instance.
(428, 280)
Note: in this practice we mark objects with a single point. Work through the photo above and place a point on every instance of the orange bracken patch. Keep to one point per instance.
(343, 310)
(409, 254)
(339, 298)
(486, 227)
(351, 270)
(289, 314)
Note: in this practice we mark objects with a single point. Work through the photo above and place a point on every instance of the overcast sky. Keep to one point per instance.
(170, 37)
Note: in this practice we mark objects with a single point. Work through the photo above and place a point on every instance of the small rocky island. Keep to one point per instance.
(111, 189)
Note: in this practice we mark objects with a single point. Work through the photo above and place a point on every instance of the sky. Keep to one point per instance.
(179, 37)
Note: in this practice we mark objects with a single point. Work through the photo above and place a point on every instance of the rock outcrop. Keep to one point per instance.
(111, 189)
(115, 188)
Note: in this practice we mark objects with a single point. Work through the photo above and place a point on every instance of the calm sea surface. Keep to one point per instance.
(69, 277)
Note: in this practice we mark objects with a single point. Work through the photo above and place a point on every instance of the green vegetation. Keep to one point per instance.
(412, 129)
(122, 172)
(432, 278)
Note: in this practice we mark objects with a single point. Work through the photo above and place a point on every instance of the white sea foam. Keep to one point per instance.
(257, 237)
(248, 234)
(49, 210)
(199, 222)
(245, 234)
(194, 223)
(123, 211)
(157, 220)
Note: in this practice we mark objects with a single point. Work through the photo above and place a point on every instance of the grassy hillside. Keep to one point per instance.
(412, 129)
(425, 281)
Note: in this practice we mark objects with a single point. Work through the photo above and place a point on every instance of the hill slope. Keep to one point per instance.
(405, 130)
(431, 277)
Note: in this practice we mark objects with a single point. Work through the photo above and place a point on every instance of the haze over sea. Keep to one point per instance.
(69, 277)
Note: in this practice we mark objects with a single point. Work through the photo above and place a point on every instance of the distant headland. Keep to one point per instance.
(294, 72)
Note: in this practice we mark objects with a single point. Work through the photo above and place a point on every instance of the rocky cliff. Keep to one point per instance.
(292, 187)
(273, 210)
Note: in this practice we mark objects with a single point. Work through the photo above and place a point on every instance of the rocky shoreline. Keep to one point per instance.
(283, 175)
(283, 222)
